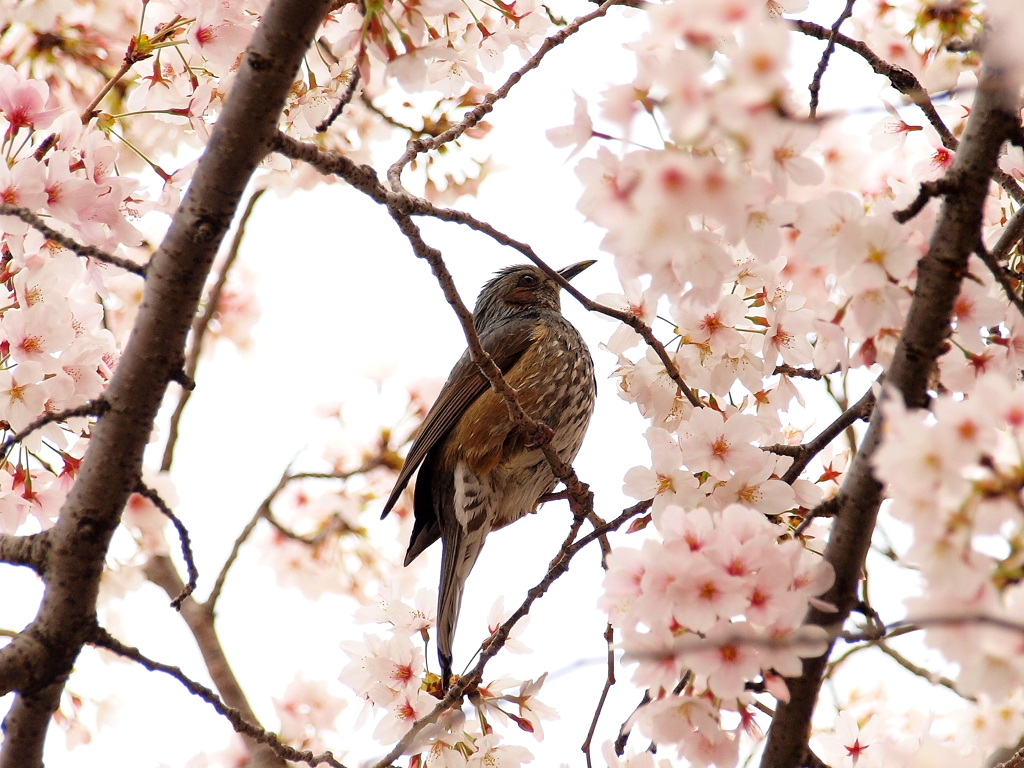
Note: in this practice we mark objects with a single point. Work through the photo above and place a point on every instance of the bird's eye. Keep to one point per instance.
(527, 280)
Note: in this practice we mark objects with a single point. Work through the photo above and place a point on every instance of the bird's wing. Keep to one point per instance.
(505, 343)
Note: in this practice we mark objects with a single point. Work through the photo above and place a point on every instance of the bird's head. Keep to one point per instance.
(518, 287)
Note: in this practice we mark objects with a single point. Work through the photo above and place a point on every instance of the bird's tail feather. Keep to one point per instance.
(460, 551)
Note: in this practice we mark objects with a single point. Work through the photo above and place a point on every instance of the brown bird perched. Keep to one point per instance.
(476, 472)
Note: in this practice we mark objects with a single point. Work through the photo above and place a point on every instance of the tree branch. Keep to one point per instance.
(802, 454)
(242, 724)
(609, 681)
(932, 677)
(199, 327)
(95, 407)
(906, 83)
(420, 145)
(186, 543)
(815, 86)
(346, 97)
(200, 621)
(29, 551)
(88, 251)
(364, 178)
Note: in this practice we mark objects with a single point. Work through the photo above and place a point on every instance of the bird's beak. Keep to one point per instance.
(574, 269)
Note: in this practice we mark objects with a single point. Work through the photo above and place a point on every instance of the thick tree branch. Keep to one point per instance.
(25, 726)
(994, 118)
(29, 551)
(176, 274)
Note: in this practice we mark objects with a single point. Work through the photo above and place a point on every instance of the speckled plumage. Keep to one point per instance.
(476, 474)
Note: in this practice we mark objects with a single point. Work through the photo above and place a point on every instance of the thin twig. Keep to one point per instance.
(346, 98)
(1012, 234)
(87, 251)
(827, 508)
(199, 327)
(1001, 277)
(186, 543)
(815, 86)
(630, 319)
(609, 681)
(263, 512)
(928, 190)
(932, 677)
(902, 80)
(804, 373)
(802, 454)
(906, 82)
(626, 728)
(475, 115)
(95, 407)
(103, 639)
(537, 432)
(368, 103)
(90, 111)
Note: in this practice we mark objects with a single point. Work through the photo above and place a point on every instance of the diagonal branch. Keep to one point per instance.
(199, 328)
(802, 454)
(95, 407)
(906, 82)
(815, 86)
(364, 178)
(88, 251)
(242, 725)
(420, 145)
(537, 432)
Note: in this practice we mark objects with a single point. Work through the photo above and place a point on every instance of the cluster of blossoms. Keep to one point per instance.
(390, 674)
(954, 475)
(770, 242)
(719, 594)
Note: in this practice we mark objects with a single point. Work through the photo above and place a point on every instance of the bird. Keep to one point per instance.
(477, 472)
